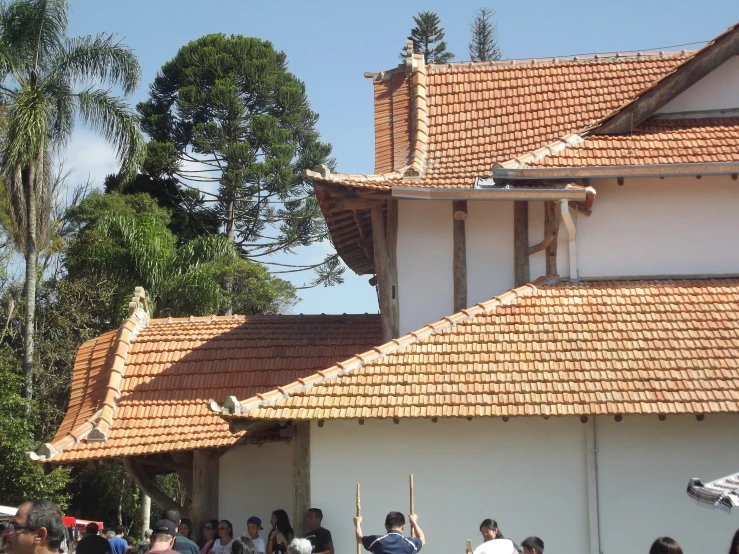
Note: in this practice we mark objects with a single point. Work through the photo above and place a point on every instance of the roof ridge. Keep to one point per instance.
(96, 428)
(232, 407)
(605, 57)
(243, 317)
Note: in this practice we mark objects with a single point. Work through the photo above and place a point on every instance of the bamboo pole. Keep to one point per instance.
(413, 507)
(359, 513)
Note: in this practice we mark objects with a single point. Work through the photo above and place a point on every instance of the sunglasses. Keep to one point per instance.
(13, 527)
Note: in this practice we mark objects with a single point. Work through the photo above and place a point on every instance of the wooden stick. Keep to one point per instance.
(413, 508)
(359, 513)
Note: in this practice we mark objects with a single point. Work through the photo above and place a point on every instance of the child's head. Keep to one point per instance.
(253, 526)
(532, 545)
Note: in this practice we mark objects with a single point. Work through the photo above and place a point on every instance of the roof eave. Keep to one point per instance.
(579, 194)
(605, 172)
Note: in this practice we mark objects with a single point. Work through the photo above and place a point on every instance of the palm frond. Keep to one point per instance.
(50, 27)
(27, 129)
(112, 118)
(101, 59)
(62, 109)
(204, 249)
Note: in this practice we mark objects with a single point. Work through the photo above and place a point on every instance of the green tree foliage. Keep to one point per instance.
(126, 241)
(21, 479)
(238, 119)
(50, 80)
(483, 45)
(428, 39)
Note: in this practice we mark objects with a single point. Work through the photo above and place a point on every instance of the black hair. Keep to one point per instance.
(283, 523)
(243, 545)
(129, 540)
(493, 526)
(186, 521)
(394, 520)
(230, 527)
(734, 544)
(44, 513)
(533, 543)
(119, 530)
(318, 513)
(92, 528)
(172, 514)
(665, 545)
(213, 523)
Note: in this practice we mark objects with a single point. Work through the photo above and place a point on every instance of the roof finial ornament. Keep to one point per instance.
(410, 63)
(325, 171)
(138, 301)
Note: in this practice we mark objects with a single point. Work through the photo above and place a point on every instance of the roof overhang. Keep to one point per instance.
(495, 192)
(721, 494)
(605, 172)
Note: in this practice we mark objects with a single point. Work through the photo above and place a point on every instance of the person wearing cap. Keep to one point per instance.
(182, 544)
(163, 537)
(253, 526)
(392, 542)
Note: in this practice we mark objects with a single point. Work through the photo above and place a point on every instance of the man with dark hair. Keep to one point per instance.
(392, 542)
(319, 537)
(36, 528)
(532, 545)
(182, 544)
(118, 544)
(92, 543)
(163, 537)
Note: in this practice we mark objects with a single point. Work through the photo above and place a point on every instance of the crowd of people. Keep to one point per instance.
(38, 528)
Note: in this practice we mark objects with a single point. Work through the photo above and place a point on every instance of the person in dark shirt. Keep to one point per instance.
(392, 542)
(92, 543)
(319, 537)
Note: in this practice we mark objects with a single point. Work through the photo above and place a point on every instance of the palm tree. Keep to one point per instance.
(50, 80)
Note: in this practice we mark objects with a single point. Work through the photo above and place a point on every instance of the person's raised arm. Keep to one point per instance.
(358, 528)
(413, 518)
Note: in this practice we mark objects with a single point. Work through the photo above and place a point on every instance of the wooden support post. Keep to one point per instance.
(145, 482)
(521, 242)
(551, 228)
(359, 514)
(459, 210)
(384, 241)
(301, 474)
(205, 477)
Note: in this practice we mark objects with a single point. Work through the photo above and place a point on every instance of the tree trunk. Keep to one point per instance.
(30, 178)
(231, 234)
(145, 512)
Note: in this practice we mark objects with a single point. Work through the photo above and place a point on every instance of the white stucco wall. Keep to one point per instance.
(528, 474)
(255, 481)
(672, 226)
(489, 235)
(644, 466)
(425, 280)
(719, 90)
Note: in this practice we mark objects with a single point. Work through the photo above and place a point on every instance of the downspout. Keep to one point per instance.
(572, 233)
(591, 463)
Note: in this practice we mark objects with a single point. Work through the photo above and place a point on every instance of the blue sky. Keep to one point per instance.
(331, 43)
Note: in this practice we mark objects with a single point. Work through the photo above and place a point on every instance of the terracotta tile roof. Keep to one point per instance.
(175, 366)
(654, 142)
(483, 113)
(620, 347)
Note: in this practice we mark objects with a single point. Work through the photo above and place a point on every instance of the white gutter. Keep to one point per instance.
(572, 233)
(591, 462)
(575, 194)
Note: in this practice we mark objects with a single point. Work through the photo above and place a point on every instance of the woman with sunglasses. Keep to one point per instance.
(211, 532)
(222, 544)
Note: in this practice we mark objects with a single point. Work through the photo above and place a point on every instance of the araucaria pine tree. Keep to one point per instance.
(484, 43)
(428, 39)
